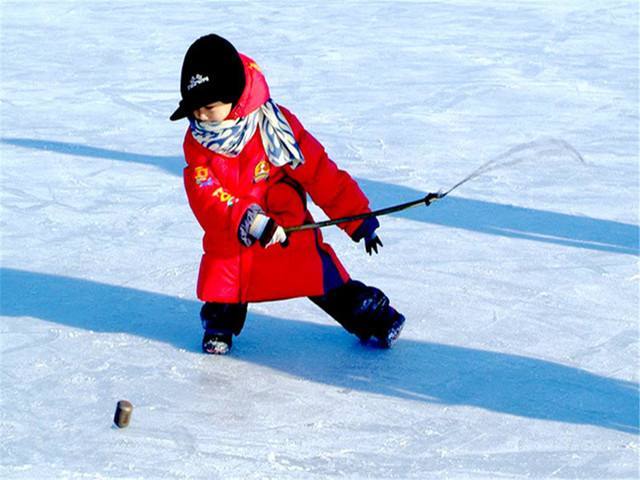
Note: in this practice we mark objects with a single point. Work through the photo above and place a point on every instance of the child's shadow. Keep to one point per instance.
(419, 371)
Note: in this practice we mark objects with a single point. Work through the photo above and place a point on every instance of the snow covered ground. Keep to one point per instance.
(520, 354)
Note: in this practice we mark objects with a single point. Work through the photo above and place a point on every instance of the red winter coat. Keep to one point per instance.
(220, 189)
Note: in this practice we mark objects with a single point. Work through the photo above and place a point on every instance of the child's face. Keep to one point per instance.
(213, 112)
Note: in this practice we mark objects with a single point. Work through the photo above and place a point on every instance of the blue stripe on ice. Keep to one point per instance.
(420, 371)
(457, 212)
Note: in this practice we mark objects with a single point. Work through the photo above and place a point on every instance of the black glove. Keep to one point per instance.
(367, 231)
(371, 243)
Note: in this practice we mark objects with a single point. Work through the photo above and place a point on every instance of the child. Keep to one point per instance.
(244, 187)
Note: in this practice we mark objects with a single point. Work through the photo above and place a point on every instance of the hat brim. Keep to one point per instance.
(179, 113)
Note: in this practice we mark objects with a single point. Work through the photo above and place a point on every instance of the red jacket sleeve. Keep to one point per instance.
(332, 189)
(214, 205)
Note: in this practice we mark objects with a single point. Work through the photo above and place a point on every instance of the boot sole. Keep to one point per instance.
(216, 348)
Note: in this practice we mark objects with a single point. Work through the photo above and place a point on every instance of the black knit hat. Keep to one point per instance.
(212, 71)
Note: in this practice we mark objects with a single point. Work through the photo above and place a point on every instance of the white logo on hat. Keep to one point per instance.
(196, 80)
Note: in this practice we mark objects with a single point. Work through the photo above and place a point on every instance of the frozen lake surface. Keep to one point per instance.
(520, 354)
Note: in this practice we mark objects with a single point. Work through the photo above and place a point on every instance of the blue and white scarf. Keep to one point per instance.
(229, 137)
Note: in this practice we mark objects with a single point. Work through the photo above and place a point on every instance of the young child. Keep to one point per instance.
(250, 166)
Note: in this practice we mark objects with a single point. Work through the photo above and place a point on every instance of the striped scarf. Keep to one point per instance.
(229, 137)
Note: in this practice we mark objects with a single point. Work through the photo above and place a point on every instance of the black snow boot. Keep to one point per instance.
(388, 334)
(363, 311)
(220, 322)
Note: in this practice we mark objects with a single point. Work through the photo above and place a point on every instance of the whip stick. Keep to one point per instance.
(537, 149)
(428, 200)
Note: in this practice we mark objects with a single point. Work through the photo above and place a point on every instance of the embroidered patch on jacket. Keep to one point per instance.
(261, 171)
(225, 197)
(202, 177)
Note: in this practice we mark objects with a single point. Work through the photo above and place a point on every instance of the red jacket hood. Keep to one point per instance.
(255, 93)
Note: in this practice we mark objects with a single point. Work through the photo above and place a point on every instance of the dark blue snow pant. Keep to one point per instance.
(360, 309)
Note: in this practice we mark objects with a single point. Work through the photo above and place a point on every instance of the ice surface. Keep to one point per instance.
(519, 358)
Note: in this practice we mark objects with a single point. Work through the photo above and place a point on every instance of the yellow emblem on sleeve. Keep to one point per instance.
(202, 177)
(261, 171)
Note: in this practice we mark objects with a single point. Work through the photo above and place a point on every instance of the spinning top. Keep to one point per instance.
(123, 413)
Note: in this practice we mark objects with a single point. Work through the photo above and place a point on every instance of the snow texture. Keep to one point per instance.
(519, 358)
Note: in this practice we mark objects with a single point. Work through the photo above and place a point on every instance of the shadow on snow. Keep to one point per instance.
(458, 212)
(419, 371)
